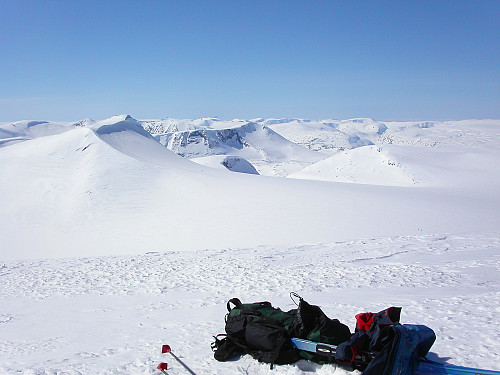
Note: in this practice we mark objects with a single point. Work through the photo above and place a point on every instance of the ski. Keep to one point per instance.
(328, 350)
(425, 366)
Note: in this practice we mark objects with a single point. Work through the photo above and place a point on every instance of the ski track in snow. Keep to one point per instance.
(109, 315)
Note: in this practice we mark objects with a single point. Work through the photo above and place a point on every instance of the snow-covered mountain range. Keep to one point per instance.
(264, 148)
(119, 234)
(111, 186)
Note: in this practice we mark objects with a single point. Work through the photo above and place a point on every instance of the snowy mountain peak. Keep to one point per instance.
(253, 141)
(85, 122)
(118, 124)
(117, 118)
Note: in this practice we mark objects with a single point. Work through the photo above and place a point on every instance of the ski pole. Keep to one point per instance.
(163, 367)
(167, 349)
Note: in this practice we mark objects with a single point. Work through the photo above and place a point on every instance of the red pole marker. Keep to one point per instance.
(167, 349)
(163, 367)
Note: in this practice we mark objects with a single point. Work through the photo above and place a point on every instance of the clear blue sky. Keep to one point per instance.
(390, 60)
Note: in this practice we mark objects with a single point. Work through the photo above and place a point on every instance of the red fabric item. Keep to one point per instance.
(364, 321)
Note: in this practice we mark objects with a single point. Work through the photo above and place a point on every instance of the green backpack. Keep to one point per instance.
(265, 332)
(258, 329)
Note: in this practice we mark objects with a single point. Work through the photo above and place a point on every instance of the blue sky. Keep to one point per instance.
(390, 60)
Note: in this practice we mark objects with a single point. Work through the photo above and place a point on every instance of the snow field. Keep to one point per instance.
(104, 315)
(83, 193)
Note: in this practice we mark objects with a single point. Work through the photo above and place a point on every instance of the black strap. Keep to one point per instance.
(236, 302)
(293, 294)
(218, 341)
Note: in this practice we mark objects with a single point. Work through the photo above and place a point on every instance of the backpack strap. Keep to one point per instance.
(249, 311)
(244, 308)
(236, 302)
(292, 295)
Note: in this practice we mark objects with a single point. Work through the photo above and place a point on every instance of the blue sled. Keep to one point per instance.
(425, 367)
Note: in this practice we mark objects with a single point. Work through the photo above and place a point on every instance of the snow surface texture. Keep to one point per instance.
(109, 315)
(113, 245)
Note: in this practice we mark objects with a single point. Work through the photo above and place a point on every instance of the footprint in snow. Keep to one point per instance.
(5, 318)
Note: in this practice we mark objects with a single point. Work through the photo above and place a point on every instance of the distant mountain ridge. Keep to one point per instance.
(280, 146)
(204, 142)
(322, 135)
(170, 125)
(255, 142)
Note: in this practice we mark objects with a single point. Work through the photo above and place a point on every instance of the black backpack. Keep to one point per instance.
(265, 332)
(258, 329)
(312, 324)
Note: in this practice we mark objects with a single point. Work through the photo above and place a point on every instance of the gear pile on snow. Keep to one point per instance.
(380, 345)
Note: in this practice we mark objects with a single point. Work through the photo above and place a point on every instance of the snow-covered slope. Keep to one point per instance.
(409, 166)
(111, 188)
(466, 133)
(328, 136)
(76, 189)
(231, 163)
(20, 131)
(126, 135)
